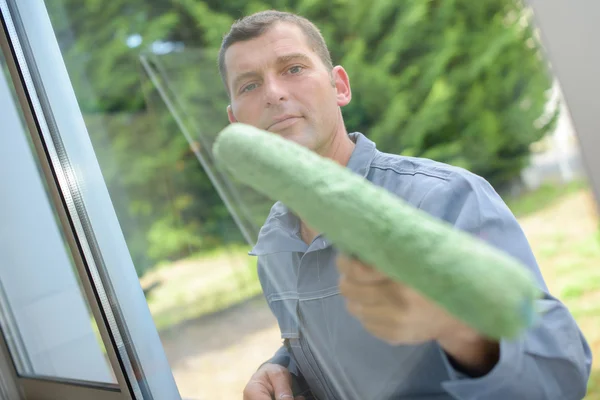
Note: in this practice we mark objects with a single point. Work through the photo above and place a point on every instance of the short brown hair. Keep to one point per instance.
(253, 26)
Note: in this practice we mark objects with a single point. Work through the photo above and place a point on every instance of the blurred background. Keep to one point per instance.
(461, 82)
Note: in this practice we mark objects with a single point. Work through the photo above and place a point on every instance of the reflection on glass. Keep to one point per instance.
(152, 107)
(194, 107)
(443, 80)
(44, 316)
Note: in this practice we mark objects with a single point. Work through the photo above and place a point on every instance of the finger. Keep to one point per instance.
(367, 294)
(258, 390)
(391, 325)
(379, 314)
(344, 263)
(346, 258)
(357, 271)
(398, 334)
(384, 333)
(282, 384)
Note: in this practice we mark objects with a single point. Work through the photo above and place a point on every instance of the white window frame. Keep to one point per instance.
(569, 33)
(88, 220)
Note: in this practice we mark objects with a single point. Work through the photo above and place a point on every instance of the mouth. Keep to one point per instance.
(283, 123)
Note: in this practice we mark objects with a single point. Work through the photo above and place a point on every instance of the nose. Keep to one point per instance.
(274, 91)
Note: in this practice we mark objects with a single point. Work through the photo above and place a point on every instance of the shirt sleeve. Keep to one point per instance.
(550, 361)
(281, 357)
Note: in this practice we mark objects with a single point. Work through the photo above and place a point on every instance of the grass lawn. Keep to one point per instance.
(594, 385)
(563, 232)
(543, 197)
(200, 285)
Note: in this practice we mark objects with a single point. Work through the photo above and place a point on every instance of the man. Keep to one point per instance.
(349, 332)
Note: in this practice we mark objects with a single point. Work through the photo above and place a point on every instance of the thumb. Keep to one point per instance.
(282, 384)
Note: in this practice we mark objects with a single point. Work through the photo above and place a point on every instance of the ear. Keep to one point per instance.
(230, 115)
(341, 82)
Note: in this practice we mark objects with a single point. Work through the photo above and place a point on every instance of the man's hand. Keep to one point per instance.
(397, 314)
(271, 381)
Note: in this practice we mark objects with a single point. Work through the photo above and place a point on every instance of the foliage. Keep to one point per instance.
(457, 81)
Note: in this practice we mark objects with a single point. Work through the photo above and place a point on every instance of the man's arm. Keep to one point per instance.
(283, 357)
(550, 361)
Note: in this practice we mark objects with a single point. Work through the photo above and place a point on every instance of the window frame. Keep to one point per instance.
(122, 315)
(9, 388)
(576, 69)
(40, 387)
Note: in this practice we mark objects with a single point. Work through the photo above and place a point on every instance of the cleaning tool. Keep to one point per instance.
(478, 284)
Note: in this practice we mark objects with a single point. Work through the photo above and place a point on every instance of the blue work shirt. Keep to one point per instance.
(340, 360)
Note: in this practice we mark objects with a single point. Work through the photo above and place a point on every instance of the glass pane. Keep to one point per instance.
(44, 316)
(187, 225)
(464, 86)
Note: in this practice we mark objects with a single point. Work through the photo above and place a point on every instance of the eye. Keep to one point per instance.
(296, 69)
(248, 87)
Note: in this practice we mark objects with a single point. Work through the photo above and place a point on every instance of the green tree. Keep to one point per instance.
(458, 81)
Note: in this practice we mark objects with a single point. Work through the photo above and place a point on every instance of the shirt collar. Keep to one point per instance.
(362, 155)
(281, 231)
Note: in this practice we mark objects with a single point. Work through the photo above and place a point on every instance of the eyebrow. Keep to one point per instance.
(243, 77)
(291, 57)
(280, 60)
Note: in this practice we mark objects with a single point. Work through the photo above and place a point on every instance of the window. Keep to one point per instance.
(124, 266)
(39, 289)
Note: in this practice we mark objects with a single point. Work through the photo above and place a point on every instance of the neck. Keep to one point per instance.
(339, 148)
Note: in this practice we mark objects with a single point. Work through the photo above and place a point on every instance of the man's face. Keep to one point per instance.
(278, 83)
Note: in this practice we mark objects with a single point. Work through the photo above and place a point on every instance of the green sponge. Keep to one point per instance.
(477, 283)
